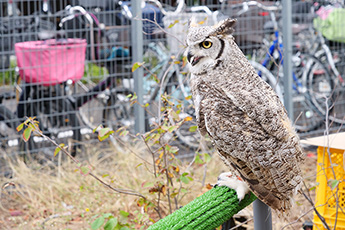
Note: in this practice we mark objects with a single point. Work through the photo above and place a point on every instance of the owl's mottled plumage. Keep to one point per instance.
(243, 116)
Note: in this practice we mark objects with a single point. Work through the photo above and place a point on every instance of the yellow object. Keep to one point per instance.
(331, 188)
(330, 178)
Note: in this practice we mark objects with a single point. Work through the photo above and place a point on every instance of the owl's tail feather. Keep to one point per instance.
(276, 201)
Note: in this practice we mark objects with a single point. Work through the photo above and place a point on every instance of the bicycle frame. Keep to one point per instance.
(277, 45)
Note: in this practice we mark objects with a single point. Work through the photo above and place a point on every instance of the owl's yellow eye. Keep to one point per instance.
(206, 44)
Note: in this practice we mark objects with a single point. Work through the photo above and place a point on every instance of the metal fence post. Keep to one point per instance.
(262, 216)
(287, 64)
(137, 52)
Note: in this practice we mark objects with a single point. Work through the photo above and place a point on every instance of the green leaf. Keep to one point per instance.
(124, 133)
(123, 213)
(188, 97)
(123, 217)
(58, 149)
(27, 133)
(207, 157)
(312, 188)
(104, 131)
(97, 223)
(183, 190)
(172, 129)
(95, 129)
(334, 183)
(111, 224)
(102, 138)
(85, 170)
(175, 115)
(172, 195)
(184, 179)
(20, 127)
(33, 126)
(107, 215)
(193, 128)
(198, 159)
(173, 149)
(147, 184)
(125, 228)
(139, 165)
(137, 65)
(172, 24)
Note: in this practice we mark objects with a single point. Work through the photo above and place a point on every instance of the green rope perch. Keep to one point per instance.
(207, 211)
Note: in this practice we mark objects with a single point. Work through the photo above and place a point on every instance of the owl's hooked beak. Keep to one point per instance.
(193, 60)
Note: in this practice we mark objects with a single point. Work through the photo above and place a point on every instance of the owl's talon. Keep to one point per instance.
(231, 181)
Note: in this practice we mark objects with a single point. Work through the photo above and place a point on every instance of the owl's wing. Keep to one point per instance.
(264, 106)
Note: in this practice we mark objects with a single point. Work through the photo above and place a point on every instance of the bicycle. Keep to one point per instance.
(306, 114)
(334, 93)
(57, 117)
(168, 71)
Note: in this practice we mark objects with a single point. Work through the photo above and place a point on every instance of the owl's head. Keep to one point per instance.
(206, 45)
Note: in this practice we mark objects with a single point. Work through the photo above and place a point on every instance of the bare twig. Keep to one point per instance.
(124, 191)
(153, 156)
(315, 210)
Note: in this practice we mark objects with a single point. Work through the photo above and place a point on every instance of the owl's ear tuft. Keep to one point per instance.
(225, 27)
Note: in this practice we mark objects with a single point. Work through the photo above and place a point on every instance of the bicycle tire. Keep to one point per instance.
(91, 111)
(117, 111)
(186, 133)
(10, 120)
(9, 138)
(57, 120)
(323, 84)
(156, 69)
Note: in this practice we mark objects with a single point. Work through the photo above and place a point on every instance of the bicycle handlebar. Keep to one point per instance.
(128, 14)
(245, 6)
(180, 6)
(71, 10)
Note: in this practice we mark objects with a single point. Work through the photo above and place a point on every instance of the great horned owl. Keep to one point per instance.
(243, 116)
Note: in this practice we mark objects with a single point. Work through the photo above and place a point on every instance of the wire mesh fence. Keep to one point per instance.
(46, 72)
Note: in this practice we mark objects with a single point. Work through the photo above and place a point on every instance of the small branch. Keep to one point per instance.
(167, 176)
(239, 225)
(296, 221)
(153, 156)
(161, 28)
(315, 210)
(124, 191)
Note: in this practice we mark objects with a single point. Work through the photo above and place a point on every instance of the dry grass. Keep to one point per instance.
(60, 197)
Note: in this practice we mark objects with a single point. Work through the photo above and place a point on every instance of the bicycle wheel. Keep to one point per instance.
(326, 91)
(118, 112)
(175, 85)
(57, 120)
(181, 93)
(9, 138)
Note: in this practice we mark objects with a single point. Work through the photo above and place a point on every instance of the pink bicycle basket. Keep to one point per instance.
(52, 61)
